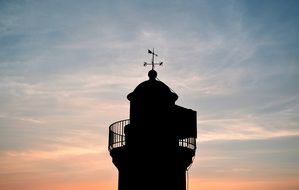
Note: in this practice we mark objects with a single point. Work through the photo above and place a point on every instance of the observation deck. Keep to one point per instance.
(117, 137)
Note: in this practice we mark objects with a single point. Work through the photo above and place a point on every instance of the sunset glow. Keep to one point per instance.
(66, 68)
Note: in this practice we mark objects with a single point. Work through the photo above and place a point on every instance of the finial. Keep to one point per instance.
(152, 74)
(153, 60)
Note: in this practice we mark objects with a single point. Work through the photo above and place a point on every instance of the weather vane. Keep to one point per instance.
(153, 60)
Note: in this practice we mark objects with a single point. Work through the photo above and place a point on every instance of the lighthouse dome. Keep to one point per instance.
(152, 90)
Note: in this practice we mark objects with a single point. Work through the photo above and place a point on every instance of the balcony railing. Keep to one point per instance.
(117, 136)
(188, 143)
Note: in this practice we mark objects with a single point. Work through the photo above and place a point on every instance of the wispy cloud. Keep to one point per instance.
(66, 68)
(55, 162)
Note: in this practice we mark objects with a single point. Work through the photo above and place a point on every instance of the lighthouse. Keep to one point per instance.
(155, 147)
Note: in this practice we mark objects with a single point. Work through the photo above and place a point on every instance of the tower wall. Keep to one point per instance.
(152, 155)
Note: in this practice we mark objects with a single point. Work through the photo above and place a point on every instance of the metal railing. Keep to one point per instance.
(188, 143)
(117, 136)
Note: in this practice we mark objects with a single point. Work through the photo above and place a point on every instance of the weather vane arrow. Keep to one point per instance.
(153, 59)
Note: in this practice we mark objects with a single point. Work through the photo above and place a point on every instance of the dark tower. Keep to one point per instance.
(154, 148)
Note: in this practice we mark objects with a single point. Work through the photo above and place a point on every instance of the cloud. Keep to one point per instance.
(66, 68)
(56, 162)
(246, 126)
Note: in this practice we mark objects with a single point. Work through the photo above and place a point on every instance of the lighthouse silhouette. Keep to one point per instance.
(156, 146)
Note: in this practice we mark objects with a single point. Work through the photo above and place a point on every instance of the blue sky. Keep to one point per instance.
(67, 66)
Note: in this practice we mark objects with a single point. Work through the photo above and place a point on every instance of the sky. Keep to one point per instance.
(66, 68)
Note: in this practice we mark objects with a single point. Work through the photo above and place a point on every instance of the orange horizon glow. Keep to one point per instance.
(231, 184)
(194, 184)
(67, 67)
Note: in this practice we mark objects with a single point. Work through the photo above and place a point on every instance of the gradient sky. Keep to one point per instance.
(67, 66)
